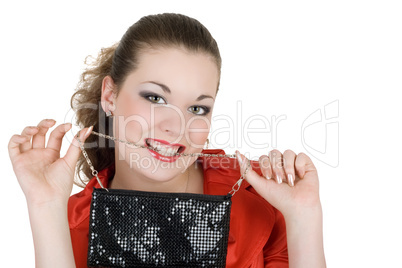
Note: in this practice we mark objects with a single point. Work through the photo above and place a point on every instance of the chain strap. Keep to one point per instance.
(94, 171)
(235, 187)
(156, 149)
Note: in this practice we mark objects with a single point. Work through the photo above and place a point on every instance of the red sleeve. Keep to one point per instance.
(79, 239)
(78, 217)
(276, 250)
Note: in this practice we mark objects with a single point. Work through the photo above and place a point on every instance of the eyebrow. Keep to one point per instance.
(167, 90)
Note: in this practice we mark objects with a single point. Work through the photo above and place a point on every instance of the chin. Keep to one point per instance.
(161, 175)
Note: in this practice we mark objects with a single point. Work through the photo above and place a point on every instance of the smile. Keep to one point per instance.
(163, 150)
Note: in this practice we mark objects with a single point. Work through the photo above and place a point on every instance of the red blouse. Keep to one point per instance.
(257, 235)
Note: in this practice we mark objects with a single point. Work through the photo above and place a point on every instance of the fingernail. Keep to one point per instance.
(239, 158)
(279, 179)
(291, 180)
(89, 130)
(67, 126)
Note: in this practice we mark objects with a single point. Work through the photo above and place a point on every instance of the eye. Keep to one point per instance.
(155, 99)
(199, 110)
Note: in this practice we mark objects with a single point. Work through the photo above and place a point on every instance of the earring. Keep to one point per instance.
(207, 143)
(112, 107)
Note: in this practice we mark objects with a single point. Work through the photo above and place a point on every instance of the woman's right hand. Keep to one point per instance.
(43, 176)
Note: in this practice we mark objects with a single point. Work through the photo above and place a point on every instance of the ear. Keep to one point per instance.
(108, 94)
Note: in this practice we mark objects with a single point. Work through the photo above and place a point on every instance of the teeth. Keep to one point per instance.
(161, 149)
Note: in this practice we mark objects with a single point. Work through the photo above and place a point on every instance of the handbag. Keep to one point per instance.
(131, 228)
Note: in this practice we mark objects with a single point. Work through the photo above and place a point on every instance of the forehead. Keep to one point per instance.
(179, 69)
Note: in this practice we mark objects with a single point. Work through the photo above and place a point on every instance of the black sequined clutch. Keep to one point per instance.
(147, 229)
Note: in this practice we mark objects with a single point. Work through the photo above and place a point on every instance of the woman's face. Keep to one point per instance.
(167, 103)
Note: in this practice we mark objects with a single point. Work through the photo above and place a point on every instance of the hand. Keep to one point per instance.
(44, 176)
(291, 198)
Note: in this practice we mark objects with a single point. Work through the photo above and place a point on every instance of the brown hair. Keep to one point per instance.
(118, 61)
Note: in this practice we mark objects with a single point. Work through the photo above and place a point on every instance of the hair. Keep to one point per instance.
(118, 61)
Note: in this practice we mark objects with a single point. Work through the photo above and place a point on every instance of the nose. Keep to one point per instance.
(170, 121)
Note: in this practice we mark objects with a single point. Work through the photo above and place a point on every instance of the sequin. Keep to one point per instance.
(139, 229)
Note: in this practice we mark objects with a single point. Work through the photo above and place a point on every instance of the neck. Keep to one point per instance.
(132, 179)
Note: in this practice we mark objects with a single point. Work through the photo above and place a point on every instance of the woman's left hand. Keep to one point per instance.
(290, 183)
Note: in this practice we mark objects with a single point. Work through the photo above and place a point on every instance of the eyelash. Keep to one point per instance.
(149, 96)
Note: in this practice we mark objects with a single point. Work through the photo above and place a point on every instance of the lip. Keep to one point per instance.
(164, 158)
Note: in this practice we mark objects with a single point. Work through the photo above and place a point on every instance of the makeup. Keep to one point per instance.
(163, 150)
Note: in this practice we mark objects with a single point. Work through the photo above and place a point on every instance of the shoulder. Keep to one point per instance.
(224, 170)
(78, 216)
(222, 173)
(253, 220)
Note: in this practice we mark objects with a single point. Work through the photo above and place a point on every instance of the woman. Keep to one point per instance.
(158, 86)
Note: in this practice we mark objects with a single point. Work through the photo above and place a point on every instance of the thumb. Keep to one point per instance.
(267, 188)
(74, 150)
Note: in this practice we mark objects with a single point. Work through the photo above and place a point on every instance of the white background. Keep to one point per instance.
(280, 58)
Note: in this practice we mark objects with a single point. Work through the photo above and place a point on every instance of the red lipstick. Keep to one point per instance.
(166, 149)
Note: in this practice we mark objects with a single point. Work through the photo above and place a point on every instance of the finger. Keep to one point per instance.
(277, 165)
(39, 139)
(268, 189)
(56, 136)
(289, 158)
(243, 164)
(28, 132)
(251, 176)
(305, 167)
(265, 166)
(14, 145)
(74, 150)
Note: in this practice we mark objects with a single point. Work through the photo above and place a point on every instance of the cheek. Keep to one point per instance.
(132, 119)
(198, 131)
